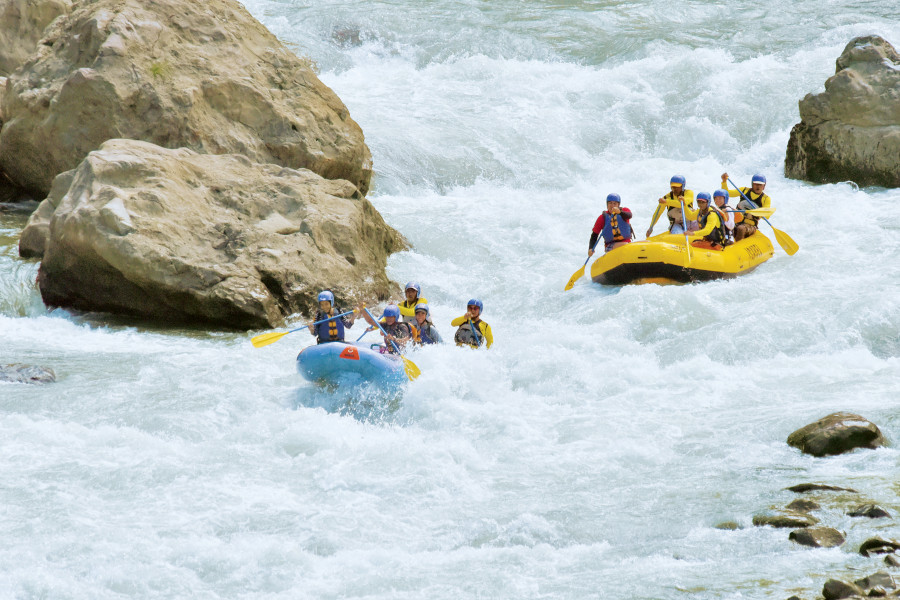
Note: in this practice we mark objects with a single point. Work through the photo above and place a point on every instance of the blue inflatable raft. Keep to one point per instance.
(337, 363)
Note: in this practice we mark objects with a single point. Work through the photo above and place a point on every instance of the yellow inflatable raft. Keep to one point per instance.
(664, 259)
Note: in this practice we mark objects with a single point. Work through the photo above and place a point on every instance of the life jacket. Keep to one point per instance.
(688, 204)
(615, 229)
(465, 335)
(425, 335)
(719, 234)
(400, 330)
(331, 330)
(754, 203)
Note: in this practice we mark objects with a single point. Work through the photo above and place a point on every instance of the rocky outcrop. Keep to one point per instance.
(836, 434)
(201, 75)
(174, 235)
(851, 131)
(22, 24)
(20, 373)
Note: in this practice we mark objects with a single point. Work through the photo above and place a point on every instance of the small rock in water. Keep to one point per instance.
(803, 505)
(802, 488)
(835, 589)
(729, 526)
(817, 537)
(836, 433)
(19, 373)
(869, 510)
(878, 546)
(892, 561)
(785, 520)
(877, 584)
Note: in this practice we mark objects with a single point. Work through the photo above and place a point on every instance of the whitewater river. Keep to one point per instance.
(592, 451)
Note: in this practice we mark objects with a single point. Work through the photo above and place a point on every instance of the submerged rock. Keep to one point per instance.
(835, 589)
(802, 488)
(852, 129)
(20, 373)
(803, 505)
(878, 545)
(836, 434)
(177, 73)
(817, 537)
(869, 510)
(785, 520)
(176, 236)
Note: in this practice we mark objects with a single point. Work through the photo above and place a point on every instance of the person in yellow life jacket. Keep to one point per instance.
(413, 297)
(757, 195)
(729, 218)
(472, 330)
(395, 330)
(331, 330)
(712, 233)
(673, 200)
(614, 225)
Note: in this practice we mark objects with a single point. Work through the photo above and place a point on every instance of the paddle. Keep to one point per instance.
(270, 338)
(475, 330)
(412, 371)
(756, 212)
(656, 216)
(684, 225)
(580, 272)
(784, 240)
(368, 329)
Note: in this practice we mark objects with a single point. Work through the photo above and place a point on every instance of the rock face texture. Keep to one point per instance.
(22, 24)
(851, 131)
(19, 373)
(201, 75)
(836, 434)
(174, 235)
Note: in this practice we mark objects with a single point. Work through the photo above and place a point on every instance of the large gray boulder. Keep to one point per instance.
(177, 73)
(176, 236)
(851, 131)
(22, 24)
(836, 433)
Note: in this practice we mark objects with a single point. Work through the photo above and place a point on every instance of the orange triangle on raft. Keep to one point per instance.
(350, 353)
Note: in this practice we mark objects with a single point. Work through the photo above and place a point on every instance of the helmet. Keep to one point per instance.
(614, 198)
(758, 179)
(677, 180)
(391, 310)
(412, 285)
(703, 196)
(326, 295)
(476, 302)
(720, 194)
(424, 307)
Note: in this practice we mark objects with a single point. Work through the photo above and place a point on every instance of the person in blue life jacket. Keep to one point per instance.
(614, 224)
(413, 298)
(331, 330)
(472, 331)
(427, 332)
(395, 330)
(711, 234)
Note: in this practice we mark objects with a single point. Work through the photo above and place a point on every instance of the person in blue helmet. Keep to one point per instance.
(672, 201)
(413, 297)
(757, 195)
(427, 333)
(614, 224)
(395, 330)
(711, 234)
(472, 331)
(331, 330)
(726, 213)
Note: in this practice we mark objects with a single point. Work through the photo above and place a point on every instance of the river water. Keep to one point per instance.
(592, 451)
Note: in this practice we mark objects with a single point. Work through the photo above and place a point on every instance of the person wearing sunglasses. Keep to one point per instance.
(472, 331)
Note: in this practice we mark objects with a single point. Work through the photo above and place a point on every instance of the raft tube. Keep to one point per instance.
(337, 363)
(664, 259)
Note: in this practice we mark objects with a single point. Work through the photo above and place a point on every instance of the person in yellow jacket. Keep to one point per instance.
(756, 194)
(472, 330)
(712, 234)
(408, 306)
(672, 201)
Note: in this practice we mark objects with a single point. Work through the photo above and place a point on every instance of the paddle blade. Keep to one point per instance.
(412, 371)
(575, 277)
(762, 212)
(268, 338)
(786, 242)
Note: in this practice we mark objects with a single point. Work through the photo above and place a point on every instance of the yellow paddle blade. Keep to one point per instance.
(268, 338)
(575, 277)
(784, 240)
(761, 212)
(412, 371)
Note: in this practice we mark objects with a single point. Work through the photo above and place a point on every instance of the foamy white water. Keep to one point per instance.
(591, 452)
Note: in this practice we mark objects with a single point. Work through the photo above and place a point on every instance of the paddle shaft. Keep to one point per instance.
(684, 224)
(475, 331)
(752, 203)
(383, 332)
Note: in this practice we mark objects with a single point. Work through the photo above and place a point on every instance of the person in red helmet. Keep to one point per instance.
(614, 224)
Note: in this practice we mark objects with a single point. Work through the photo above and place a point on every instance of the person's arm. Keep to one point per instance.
(459, 320)
(712, 221)
(436, 335)
(486, 333)
(626, 214)
(407, 311)
(365, 315)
